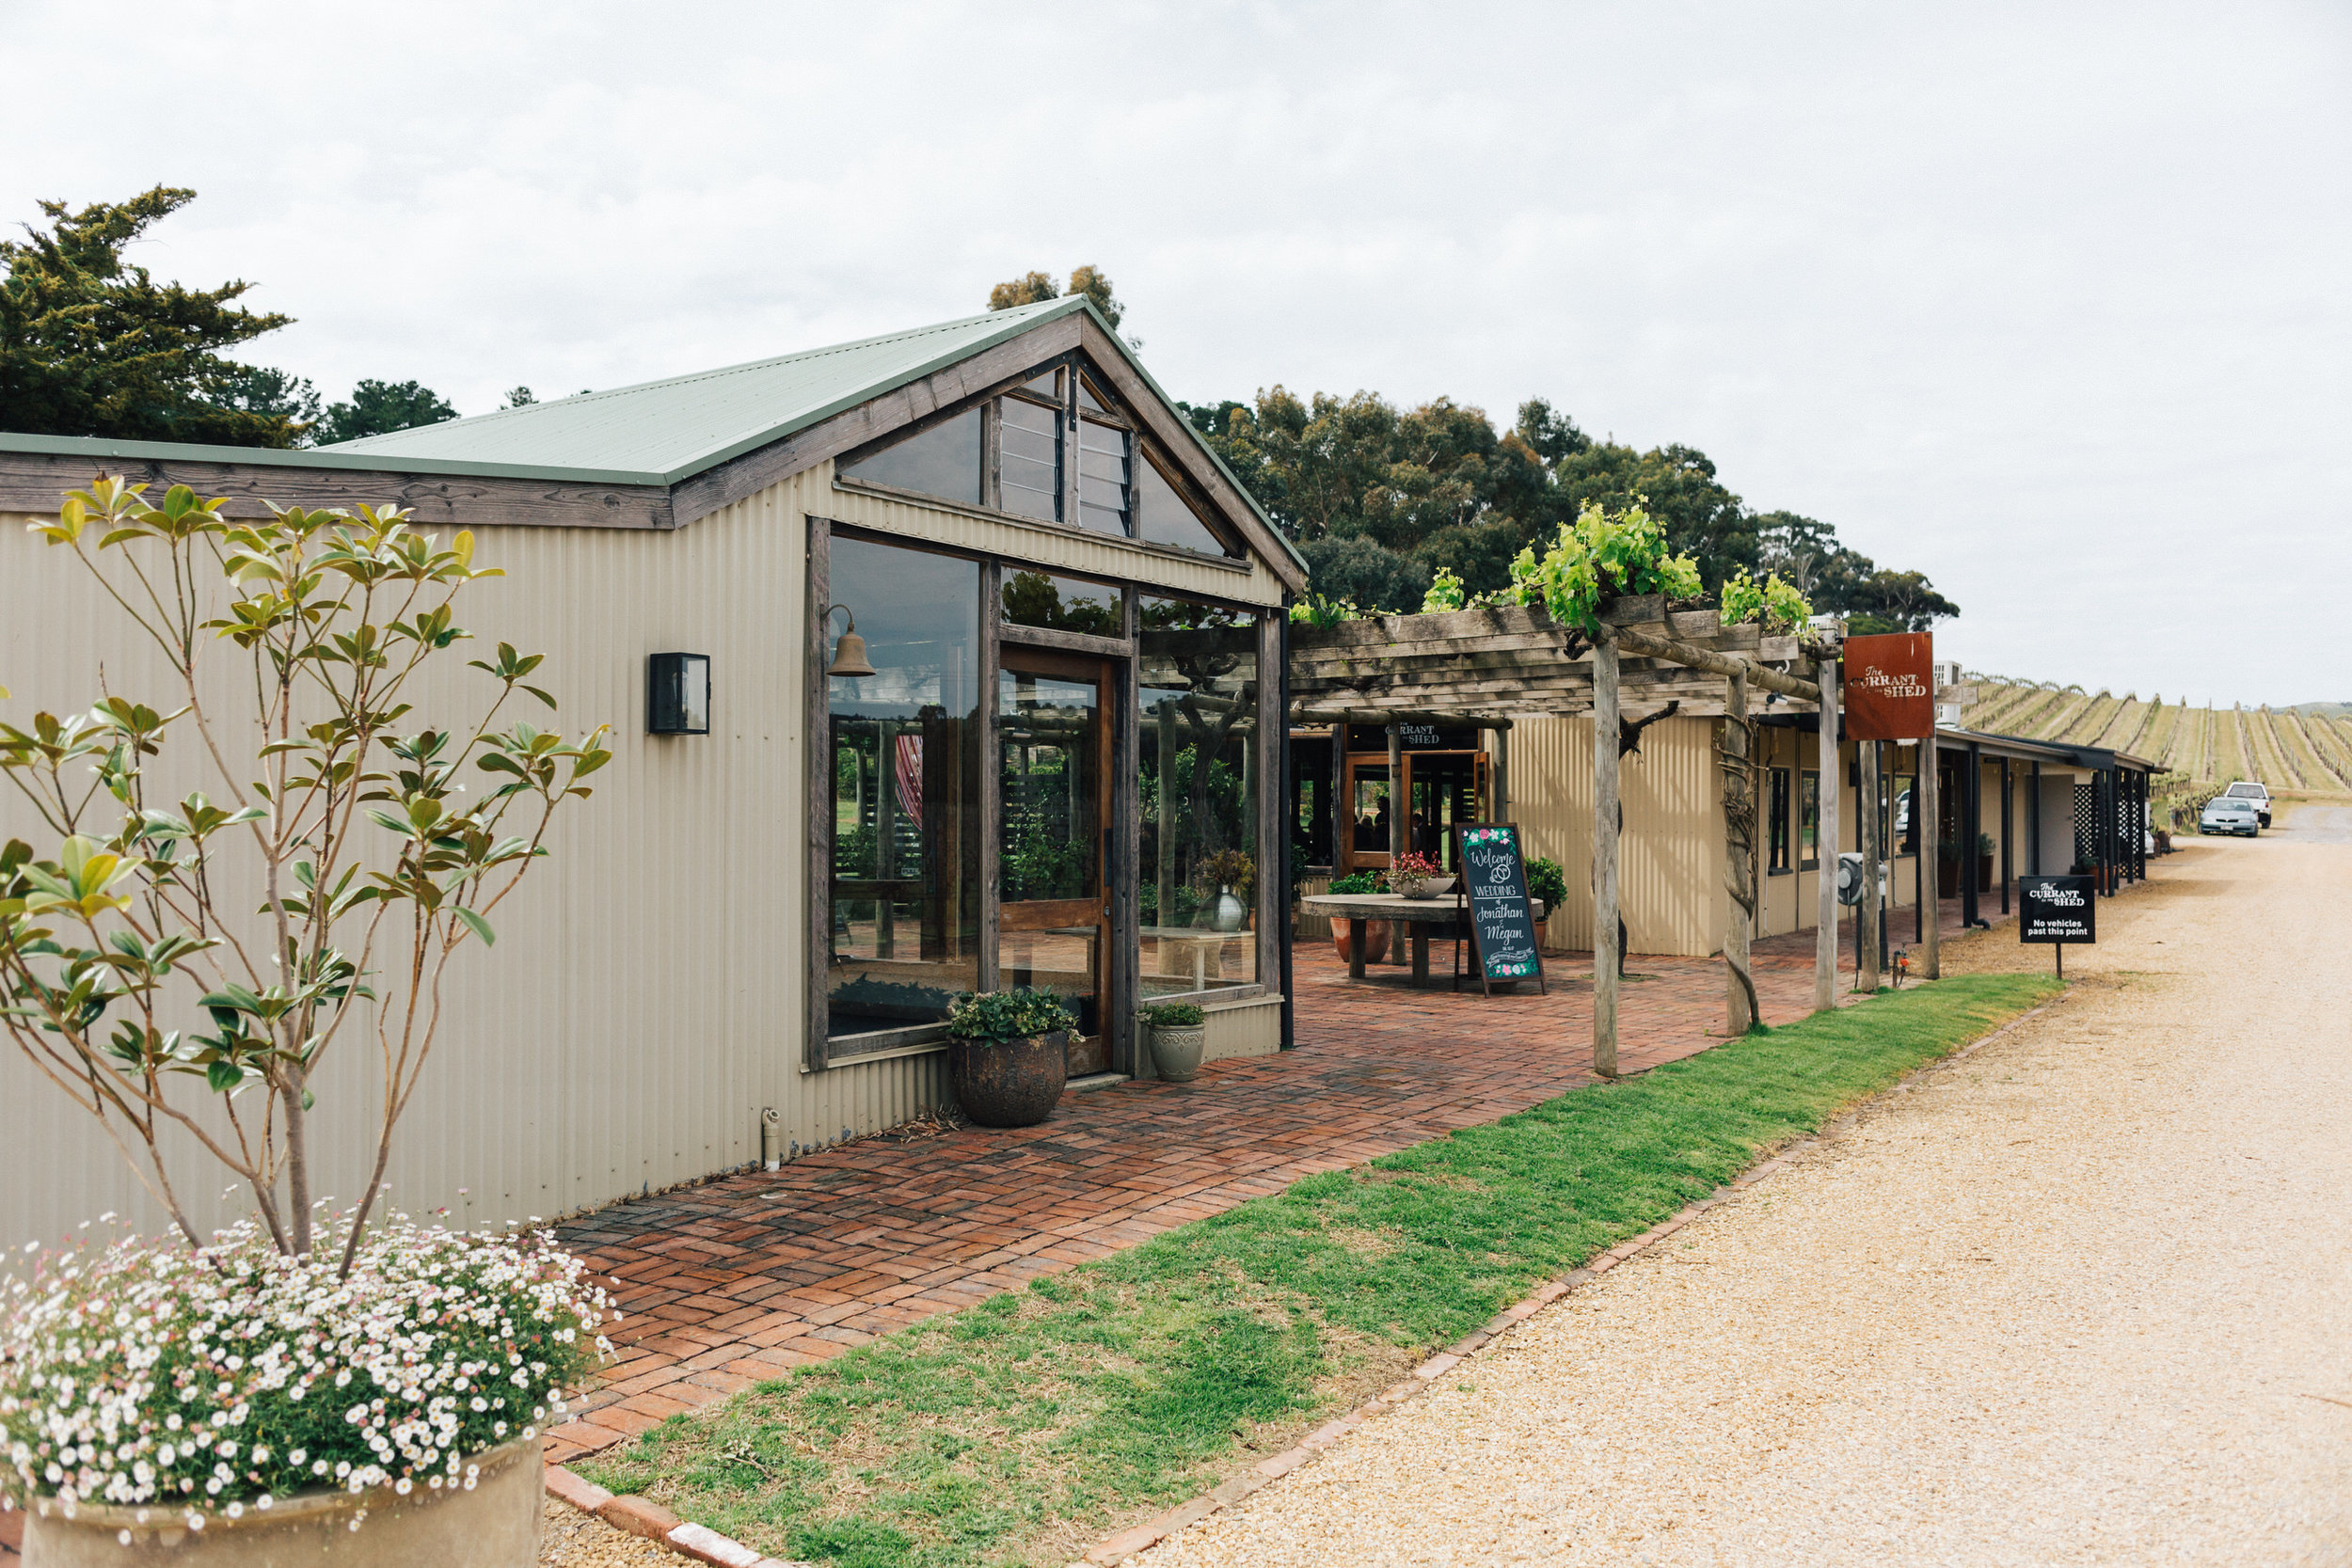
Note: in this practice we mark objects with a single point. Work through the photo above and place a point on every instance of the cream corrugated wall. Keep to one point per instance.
(1670, 858)
(645, 1000)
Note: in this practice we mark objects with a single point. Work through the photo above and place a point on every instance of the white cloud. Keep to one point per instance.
(2044, 301)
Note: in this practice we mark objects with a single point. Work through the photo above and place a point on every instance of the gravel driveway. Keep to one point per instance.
(2083, 1297)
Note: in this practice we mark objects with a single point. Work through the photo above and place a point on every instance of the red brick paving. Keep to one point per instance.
(731, 1282)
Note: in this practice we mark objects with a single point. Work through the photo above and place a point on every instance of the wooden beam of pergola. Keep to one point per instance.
(1473, 666)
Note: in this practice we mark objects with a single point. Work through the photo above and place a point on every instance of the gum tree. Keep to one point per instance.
(137, 973)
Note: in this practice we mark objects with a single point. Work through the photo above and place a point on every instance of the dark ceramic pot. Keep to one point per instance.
(1008, 1082)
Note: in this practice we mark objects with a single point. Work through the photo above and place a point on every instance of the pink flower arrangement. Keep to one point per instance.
(1410, 870)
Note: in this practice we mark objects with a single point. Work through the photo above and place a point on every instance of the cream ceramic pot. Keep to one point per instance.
(493, 1525)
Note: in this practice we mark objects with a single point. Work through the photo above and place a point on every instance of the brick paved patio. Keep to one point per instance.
(729, 1283)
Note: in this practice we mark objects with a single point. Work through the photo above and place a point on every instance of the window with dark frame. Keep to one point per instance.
(1808, 820)
(1777, 863)
(1064, 452)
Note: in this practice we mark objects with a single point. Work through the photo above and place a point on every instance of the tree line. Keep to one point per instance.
(92, 344)
(1377, 498)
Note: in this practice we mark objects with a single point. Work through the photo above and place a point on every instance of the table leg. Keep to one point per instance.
(1420, 951)
(1356, 949)
(1199, 967)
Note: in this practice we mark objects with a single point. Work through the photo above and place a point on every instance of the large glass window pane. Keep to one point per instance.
(1031, 436)
(904, 932)
(1102, 477)
(943, 460)
(1061, 604)
(1197, 688)
(1162, 516)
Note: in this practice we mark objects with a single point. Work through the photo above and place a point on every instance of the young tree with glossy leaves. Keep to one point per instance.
(136, 973)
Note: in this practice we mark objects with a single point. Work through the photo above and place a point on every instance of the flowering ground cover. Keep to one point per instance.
(1021, 1428)
(237, 1376)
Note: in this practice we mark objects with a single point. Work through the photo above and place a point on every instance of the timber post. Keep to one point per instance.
(1398, 804)
(1606, 958)
(1826, 855)
(1866, 938)
(1740, 1008)
(1930, 816)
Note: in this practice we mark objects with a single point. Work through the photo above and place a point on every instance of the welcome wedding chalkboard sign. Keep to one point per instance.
(1494, 889)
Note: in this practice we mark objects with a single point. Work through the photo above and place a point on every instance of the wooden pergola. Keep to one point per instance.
(1483, 666)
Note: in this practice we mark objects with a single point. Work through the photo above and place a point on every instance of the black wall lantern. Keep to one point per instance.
(677, 694)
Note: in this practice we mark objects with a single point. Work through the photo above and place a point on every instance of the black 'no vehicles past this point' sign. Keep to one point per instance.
(2059, 911)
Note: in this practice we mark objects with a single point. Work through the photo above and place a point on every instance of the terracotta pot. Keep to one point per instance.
(493, 1525)
(1008, 1082)
(1376, 938)
(1176, 1052)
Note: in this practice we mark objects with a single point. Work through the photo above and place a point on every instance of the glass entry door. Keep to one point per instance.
(1054, 778)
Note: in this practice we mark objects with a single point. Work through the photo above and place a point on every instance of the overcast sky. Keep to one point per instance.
(2049, 301)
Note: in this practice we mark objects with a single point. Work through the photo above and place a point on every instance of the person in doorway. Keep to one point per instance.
(1380, 825)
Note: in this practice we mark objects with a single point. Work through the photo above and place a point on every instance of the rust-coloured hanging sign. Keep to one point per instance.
(1890, 686)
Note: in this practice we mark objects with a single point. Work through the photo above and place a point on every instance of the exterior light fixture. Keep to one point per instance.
(849, 654)
(677, 694)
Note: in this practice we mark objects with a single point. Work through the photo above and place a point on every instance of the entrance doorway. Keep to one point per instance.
(1440, 789)
(1054, 776)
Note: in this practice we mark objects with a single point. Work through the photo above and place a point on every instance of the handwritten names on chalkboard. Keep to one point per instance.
(1494, 885)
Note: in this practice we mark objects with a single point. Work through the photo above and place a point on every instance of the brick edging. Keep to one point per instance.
(1152, 1531)
(638, 1516)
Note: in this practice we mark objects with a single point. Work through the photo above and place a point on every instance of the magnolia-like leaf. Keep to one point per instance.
(481, 927)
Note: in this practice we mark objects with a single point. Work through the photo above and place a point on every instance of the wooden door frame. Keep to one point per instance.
(1103, 673)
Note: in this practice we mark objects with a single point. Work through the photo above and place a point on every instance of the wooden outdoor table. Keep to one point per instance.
(1416, 915)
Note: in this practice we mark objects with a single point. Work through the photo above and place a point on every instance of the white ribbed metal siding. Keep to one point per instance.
(1671, 877)
(645, 1001)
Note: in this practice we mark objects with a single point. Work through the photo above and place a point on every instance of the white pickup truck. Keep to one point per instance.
(2258, 795)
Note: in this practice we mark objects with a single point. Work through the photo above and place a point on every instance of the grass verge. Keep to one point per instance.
(1021, 1428)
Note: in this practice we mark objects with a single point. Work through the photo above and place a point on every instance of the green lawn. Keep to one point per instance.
(1023, 1428)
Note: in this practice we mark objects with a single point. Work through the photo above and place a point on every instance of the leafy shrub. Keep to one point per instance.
(1174, 1014)
(1547, 882)
(1772, 602)
(1356, 881)
(1019, 1014)
(236, 1375)
(1232, 868)
(1445, 592)
(1598, 558)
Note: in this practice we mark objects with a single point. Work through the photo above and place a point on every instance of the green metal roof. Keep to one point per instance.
(659, 432)
(674, 428)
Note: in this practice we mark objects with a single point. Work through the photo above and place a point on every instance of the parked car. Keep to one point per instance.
(2229, 813)
(2259, 794)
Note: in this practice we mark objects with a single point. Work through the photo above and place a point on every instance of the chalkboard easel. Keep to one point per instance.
(1493, 899)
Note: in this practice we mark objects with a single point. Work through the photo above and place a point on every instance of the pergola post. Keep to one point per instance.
(1825, 937)
(1397, 801)
(1740, 1008)
(1865, 936)
(1605, 955)
(1930, 816)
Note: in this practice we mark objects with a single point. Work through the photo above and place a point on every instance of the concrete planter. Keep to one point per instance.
(1176, 1052)
(1008, 1082)
(493, 1525)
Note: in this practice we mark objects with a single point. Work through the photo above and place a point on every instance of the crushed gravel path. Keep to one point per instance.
(2083, 1297)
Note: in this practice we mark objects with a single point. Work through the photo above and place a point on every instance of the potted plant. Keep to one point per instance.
(1008, 1055)
(1342, 928)
(1984, 863)
(1179, 1033)
(1234, 876)
(1416, 877)
(335, 1383)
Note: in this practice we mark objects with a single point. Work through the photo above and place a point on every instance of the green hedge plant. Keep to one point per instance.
(1174, 1014)
(996, 1016)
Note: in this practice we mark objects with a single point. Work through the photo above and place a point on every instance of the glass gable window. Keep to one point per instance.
(1031, 471)
(1061, 604)
(1196, 693)
(1163, 517)
(906, 789)
(943, 460)
(1102, 477)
